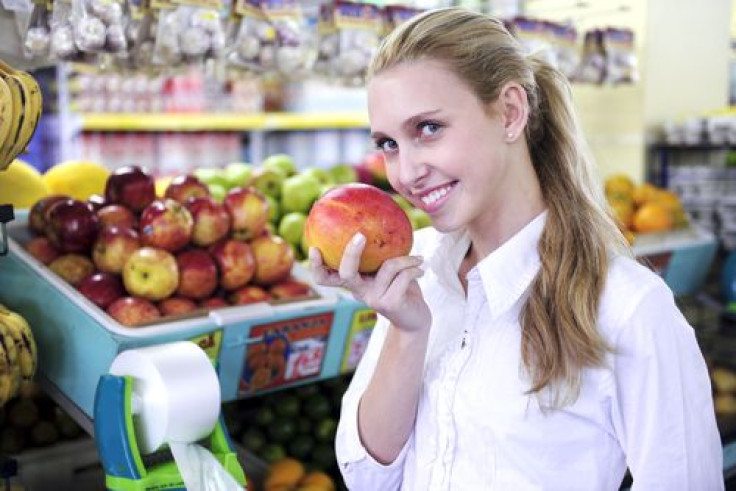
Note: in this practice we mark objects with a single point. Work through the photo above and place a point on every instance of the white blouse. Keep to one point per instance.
(651, 409)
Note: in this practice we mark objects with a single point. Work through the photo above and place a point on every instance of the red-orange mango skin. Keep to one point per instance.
(346, 210)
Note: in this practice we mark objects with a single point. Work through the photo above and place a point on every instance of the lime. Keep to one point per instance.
(304, 425)
(287, 405)
(301, 447)
(253, 440)
(273, 452)
(306, 391)
(264, 416)
(323, 455)
(325, 430)
(317, 407)
(281, 430)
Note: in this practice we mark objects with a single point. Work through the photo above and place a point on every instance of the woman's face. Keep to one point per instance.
(445, 150)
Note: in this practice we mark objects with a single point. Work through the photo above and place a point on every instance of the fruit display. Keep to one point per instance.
(145, 258)
(723, 379)
(643, 209)
(18, 357)
(293, 431)
(20, 110)
(34, 420)
(291, 192)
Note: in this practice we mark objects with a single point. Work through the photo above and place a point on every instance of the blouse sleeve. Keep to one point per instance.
(359, 470)
(663, 414)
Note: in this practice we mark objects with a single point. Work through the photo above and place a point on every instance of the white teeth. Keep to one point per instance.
(435, 195)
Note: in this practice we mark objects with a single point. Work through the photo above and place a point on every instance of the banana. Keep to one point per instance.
(6, 117)
(6, 378)
(34, 106)
(16, 96)
(11, 349)
(24, 341)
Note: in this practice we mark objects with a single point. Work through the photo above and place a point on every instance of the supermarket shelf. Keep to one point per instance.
(222, 122)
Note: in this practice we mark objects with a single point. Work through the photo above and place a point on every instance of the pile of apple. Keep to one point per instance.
(141, 257)
(291, 192)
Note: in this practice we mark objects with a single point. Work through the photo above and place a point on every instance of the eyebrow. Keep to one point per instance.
(409, 123)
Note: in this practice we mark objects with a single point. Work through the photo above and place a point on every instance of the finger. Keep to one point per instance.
(401, 283)
(392, 267)
(320, 273)
(351, 258)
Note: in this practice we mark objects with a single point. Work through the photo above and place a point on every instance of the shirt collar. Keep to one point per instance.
(508, 271)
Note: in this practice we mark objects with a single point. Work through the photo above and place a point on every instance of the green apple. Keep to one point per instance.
(324, 188)
(274, 209)
(291, 227)
(299, 192)
(304, 247)
(418, 218)
(281, 163)
(238, 174)
(211, 175)
(318, 173)
(217, 191)
(343, 173)
(268, 182)
(402, 202)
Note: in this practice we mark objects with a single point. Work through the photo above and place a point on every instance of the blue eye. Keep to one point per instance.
(386, 145)
(428, 128)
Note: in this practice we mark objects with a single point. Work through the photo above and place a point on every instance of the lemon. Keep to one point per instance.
(79, 179)
(21, 185)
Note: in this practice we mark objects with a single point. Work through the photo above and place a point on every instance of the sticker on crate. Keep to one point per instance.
(357, 341)
(285, 351)
(210, 343)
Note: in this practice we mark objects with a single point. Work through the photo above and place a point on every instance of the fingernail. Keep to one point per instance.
(358, 238)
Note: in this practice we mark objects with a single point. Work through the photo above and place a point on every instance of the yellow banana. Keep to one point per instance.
(6, 378)
(11, 349)
(31, 111)
(24, 341)
(16, 97)
(6, 117)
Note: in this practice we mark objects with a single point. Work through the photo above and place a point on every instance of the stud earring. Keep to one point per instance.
(509, 135)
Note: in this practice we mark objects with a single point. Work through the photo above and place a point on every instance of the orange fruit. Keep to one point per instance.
(619, 184)
(668, 199)
(644, 193)
(623, 211)
(317, 480)
(285, 472)
(652, 217)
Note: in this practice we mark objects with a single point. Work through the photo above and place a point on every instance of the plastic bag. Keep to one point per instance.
(38, 36)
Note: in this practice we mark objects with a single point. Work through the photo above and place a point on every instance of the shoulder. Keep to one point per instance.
(630, 287)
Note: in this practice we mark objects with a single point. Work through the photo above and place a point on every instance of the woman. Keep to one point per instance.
(520, 346)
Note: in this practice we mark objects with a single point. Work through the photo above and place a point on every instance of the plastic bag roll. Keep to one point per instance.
(176, 393)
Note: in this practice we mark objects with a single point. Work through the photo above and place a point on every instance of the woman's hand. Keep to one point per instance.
(393, 291)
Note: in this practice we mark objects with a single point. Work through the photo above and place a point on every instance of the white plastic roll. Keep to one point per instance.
(176, 393)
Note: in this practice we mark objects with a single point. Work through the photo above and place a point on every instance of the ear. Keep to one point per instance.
(514, 108)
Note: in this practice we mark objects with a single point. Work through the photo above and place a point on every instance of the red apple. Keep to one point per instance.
(132, 311)
(166, 224)
(73, 268)
(113, 247)
(102, 288)
(346, 210)
(213, 303)
(248, 209)
(197, 274)
(235, 263)
(117, 215)
(151, 273)
(290, 288)
(42, 249)
(37, 220)
(132, 187)
(72, 226)
(376, 165)
(274, 259)
(176, 306)
(182, 188)
(211, 220)
(248, 294)
(97, 201)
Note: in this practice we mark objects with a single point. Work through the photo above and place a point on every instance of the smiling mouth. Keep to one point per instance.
(433, 199)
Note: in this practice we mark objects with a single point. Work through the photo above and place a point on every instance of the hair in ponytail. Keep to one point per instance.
(559, 320)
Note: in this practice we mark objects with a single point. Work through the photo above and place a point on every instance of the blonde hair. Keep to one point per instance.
(559, 319)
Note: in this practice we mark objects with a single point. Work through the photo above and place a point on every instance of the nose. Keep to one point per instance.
(413, 167)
